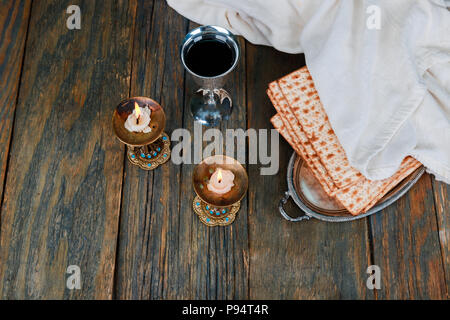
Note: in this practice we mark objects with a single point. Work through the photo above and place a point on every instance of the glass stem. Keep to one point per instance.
(211, 96)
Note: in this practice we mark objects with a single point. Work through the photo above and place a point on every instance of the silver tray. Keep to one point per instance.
(308, 195)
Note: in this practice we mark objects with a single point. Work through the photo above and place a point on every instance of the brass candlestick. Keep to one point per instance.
(218, 209)
(146, 150)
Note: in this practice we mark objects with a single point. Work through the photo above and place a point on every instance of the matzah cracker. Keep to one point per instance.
(302, 120)
(306, 150)
(394, 180)
(364, 194)
(282, 127)
(299, 91)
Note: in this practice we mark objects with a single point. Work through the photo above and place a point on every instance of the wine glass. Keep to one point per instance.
(209, 54)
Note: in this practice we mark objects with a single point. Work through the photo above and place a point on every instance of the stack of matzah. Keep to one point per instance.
(303, 122)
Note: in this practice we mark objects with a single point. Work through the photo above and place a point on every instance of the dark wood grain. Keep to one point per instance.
(150, 255)
(14, 16)
(218, 256)
(305, 260)
(441, 192)
(164, 250)
(406, 247)
(62, 195)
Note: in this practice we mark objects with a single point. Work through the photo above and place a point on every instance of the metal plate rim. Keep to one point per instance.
(309, 212)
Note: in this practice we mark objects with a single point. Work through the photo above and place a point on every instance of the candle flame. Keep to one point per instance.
(219, 176)
(137, 110)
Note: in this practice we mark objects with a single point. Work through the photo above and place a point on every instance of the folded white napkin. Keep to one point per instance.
(386, 91)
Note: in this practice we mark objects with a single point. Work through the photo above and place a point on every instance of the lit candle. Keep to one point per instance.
(221, 181)
(139, 120)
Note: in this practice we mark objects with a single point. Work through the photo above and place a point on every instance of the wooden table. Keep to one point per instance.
(70, 197)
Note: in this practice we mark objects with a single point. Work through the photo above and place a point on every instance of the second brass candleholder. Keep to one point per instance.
(218, 209)
(146, 150)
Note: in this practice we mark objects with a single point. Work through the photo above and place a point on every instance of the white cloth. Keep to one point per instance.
(386, 91)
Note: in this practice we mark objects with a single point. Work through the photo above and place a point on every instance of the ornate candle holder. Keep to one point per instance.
(146, 150)
(218, 209)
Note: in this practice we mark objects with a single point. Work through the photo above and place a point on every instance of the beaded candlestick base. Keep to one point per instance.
(150, 156)
(215, 216)
(146, 150)
(215, 209)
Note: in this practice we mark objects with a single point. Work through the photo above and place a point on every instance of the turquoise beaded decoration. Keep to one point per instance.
(151, 156)
(212, 216)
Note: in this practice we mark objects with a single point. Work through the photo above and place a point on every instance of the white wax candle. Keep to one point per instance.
(221, 181)
(139, 120)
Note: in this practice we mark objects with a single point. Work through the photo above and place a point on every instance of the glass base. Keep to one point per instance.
(210, 107)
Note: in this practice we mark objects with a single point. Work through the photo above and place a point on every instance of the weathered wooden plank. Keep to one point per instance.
(406, 247)
(441, 192)
(149, 249)
(163, 246)
(14, 16)
(164, 250)
(306, 260)
(218, 256)
(62, 195)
